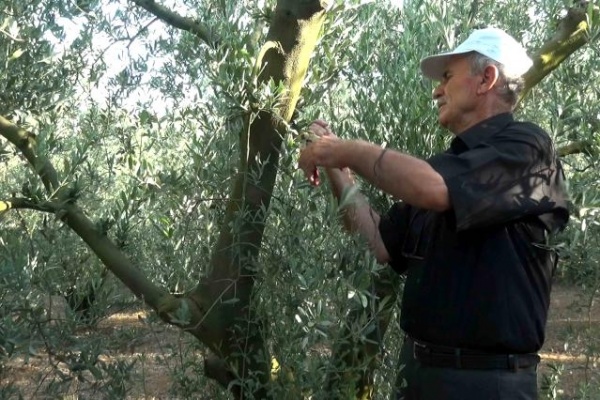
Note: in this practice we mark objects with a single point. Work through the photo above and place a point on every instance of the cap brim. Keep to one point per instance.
(433, 67)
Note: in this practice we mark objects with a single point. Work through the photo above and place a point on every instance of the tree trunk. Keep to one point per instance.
(223, 317)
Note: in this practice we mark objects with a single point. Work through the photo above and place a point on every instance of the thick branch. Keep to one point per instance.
(572, 33)
(113, 258)
(72, 215)
(180, 22)
(16, 203)
(576, 148)
(25, 142)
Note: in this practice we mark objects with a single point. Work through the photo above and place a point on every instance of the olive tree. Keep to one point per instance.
(181, 179)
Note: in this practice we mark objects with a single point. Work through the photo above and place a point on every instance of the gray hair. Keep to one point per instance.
(510, 86)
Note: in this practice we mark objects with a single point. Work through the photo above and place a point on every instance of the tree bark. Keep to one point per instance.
(180, 22)
(577, 148)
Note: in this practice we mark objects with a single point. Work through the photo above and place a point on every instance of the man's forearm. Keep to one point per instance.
(341, 180)
(358, 216)
(403, 176)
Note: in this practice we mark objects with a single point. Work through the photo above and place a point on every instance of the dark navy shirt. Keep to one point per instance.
(479, 274)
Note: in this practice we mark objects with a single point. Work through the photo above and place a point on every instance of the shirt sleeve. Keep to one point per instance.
(393, 228)
(511, 175)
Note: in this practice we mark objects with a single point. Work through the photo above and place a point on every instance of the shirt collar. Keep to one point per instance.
(481, 131)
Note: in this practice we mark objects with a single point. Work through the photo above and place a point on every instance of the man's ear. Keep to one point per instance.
(489, 77)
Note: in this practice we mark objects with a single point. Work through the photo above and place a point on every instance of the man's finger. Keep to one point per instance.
(321, 122)
(319, 131)
(315, 177)
(310, 170)
(321, 128)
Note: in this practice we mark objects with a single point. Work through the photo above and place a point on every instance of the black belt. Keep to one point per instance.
(449, 357)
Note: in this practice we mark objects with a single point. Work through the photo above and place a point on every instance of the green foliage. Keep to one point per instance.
(34, 81)
(550, 382)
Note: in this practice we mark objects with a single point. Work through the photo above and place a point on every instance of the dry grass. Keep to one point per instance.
(570, 357)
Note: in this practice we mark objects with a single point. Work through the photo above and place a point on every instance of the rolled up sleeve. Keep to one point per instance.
(507, 177)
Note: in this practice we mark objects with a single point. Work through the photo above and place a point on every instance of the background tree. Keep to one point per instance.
(164, 136)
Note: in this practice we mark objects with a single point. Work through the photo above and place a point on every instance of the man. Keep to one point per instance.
(470, 231)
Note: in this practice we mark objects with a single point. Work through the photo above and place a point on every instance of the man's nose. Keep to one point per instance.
(437, 92)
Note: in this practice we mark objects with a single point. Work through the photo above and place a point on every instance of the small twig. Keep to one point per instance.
(119, 40)
(17, 203)
(144, 28)
(16, 39)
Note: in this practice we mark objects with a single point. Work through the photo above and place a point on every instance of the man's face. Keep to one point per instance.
(456, 95)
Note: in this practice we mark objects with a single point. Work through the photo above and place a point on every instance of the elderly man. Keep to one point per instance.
(471, 230)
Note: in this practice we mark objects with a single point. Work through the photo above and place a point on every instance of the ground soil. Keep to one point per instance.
(569, 366)
(572, 349)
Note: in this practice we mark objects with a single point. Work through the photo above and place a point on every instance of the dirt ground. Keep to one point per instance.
(569, 368)
(572, 349)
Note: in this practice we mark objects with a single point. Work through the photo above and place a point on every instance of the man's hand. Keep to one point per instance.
(320, 128)
(322, 150)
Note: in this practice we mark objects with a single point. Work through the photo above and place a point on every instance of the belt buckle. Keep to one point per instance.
(420, 346)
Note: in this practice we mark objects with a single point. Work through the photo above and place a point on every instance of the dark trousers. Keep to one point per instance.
(418, 382)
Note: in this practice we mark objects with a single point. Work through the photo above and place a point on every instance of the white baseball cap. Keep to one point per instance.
(491, 42)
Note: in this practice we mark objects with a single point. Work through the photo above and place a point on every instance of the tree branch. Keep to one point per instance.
(72, 215)
(25, 142)
(113, 258)
(180, 22)
(573, 33)
(577, 148)
(15, 203)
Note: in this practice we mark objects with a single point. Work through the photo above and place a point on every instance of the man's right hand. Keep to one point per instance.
(318, 152)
